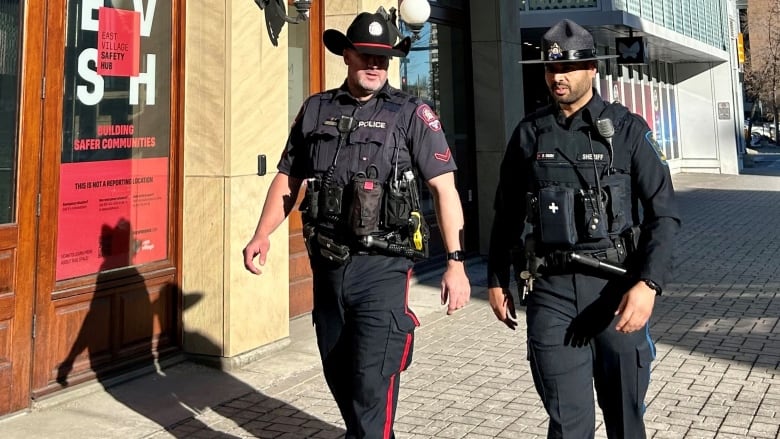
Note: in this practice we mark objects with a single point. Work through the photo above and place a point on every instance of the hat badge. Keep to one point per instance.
(375, 29)
(554, 52)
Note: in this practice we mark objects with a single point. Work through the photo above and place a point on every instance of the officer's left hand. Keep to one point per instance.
(503, 305)
(635, 308)
(455, 287)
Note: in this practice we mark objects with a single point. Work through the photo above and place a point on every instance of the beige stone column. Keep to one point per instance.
(498, 95)
(338, 15)
(235, 109)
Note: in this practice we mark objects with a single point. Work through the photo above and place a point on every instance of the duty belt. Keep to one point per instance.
(609, 260)
(337, 249)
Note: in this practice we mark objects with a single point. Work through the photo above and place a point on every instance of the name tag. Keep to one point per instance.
(591, 157)
(542, 156)
(372, 124)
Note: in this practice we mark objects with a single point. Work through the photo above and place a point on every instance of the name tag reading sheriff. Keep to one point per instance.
(590, 157)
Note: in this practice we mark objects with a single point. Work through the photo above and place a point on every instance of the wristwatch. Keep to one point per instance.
(653, 286)
(457, 255)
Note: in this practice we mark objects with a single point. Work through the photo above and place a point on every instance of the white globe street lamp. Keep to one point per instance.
(415, 13)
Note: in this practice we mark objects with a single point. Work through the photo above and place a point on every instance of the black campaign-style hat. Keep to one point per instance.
(369, 34)
(567, 41)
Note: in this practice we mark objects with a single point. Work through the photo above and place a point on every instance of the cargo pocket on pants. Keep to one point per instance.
(645, 354)
(400, 342)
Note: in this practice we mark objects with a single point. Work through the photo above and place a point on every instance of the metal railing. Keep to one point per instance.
(541, 5)
(701, 20)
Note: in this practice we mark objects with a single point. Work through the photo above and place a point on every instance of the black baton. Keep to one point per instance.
(590, 261)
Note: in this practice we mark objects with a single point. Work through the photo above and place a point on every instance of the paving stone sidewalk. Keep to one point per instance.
(716, 375)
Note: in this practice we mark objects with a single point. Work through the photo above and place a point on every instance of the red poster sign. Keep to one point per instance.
(112, 214)
(648, 112)
(119, 41)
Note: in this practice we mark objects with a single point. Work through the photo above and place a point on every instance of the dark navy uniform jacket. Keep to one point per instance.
(393, 126)
(636, 156)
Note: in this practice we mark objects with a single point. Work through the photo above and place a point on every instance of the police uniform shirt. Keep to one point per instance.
(635, 153)
(388, 120)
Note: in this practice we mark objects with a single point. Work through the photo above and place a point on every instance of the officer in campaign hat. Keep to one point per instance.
(575, 176)
(369, 34)
(567, 42)
(362, 149)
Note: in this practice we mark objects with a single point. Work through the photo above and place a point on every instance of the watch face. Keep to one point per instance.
(456, 256)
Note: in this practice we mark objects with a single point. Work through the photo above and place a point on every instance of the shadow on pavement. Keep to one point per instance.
(188, 400)
(195, 401)
(722, 300)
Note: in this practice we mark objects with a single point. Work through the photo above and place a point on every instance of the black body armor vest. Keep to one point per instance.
(373, 142)
(582, 198)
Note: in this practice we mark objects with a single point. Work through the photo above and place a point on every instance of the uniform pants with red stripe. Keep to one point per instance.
(365, 335)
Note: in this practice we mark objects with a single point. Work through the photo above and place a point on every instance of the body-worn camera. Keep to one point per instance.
(331, 202)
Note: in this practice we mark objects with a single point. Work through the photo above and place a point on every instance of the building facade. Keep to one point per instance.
(140, 137)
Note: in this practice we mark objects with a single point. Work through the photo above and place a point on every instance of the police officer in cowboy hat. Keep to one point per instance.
(575, 176)
(362, 149)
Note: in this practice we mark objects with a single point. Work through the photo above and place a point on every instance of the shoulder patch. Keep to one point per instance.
(428, 116)
(656, 147)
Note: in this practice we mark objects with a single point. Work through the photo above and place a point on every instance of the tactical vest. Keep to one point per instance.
(582, 197)
(372, 143)
(368, 201)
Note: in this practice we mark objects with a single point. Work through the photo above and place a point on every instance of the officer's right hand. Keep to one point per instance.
(503, 306)
(258, 246)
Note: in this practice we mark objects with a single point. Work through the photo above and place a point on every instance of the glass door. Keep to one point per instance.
(438, 70)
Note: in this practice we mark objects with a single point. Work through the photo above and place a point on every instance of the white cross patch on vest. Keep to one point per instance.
(553, 208)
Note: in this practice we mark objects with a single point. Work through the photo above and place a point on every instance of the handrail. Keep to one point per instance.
(541, 5)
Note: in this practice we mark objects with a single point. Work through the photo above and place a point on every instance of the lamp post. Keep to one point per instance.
(414, 13)
(276, 15)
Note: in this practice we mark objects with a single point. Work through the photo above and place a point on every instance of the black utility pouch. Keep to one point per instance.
(556, 216)
(311, 203)
(366, 205)
(397, 206)
(617, 204)
(592, 222)
(309, 238)
(631, 238)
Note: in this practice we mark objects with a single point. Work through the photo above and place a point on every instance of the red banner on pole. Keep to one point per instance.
(119, 42)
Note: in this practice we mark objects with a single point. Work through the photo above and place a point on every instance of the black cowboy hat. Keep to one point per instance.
(369, 34)
(567, 41)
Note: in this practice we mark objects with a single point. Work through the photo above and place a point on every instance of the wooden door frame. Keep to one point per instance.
(316, 84)
(316, 49)
(27, 188)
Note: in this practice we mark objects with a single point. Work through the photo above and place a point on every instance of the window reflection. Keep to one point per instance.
(435, 71)
(9, 106)
(297, 68)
